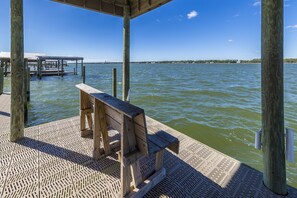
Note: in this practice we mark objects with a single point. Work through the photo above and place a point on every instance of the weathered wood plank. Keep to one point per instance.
(158, 141)
(125, 170)
(87, 89)
(103, 125)
(136, 174)
(112, 123)
(148, 184)
(97, 132)
(174, 142)
(128, 109)
(159, 160)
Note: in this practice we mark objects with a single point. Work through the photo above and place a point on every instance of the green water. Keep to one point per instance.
(218, 105)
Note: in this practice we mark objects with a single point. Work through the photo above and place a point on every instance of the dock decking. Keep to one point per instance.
(54, 161)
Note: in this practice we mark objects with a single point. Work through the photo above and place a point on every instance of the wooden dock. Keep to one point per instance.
(48, 73)
(54, 161)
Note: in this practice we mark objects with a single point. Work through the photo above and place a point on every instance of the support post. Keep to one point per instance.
(114, 82)
(126, 54)
(58, 67)
(75, 68)
(62, 71)
(17, 71)
(28, 84)
(6, 68)
(82, 63)
(38, 64)
(40, 69)
(273, 96)
(84, 74)
(25, 88)
(1, 77)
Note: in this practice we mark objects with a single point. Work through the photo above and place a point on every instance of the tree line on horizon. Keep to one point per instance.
(227, 61)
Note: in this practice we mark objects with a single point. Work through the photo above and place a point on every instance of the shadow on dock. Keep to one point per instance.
(4, 114)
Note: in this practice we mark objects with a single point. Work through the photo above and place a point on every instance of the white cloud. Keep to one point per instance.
(26, 55)
(292, 26)
(158, 20)
(257, 3)
(192, 14)
(230, 40)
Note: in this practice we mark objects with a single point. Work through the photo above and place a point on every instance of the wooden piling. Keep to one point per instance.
(28, 84)
(82, 62)
(58, 67)
(1, 77)
(5, 68)
(40, 69)
(84, 74)
(62, 71)
(17, 70)
(114, 82)
(126, 55)
(75, 67)
(25, 90)
(273, 96)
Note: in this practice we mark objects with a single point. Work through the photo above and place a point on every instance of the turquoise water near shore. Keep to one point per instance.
(217, 104)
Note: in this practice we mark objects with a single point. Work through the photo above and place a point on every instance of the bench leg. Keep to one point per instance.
(101, 119)
(125, 180)
(159, 160)
(136, 174)
(86, 113)
(90, 121)
(96, 135)
(82, 123)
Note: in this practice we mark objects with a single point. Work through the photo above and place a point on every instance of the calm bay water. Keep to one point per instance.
(219, 105)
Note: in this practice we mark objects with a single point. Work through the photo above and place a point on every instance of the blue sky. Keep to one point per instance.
(181, 29)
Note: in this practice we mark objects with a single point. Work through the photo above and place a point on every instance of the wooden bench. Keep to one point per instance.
(129, 120)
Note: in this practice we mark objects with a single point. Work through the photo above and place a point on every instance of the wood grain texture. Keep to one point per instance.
(125, 170)
(103, 125)
(96, 133)
(273, 96)
(126, 54)
(118, 105)
(17, 71)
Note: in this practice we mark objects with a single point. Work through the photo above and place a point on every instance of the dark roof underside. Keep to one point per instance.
(115, 7)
